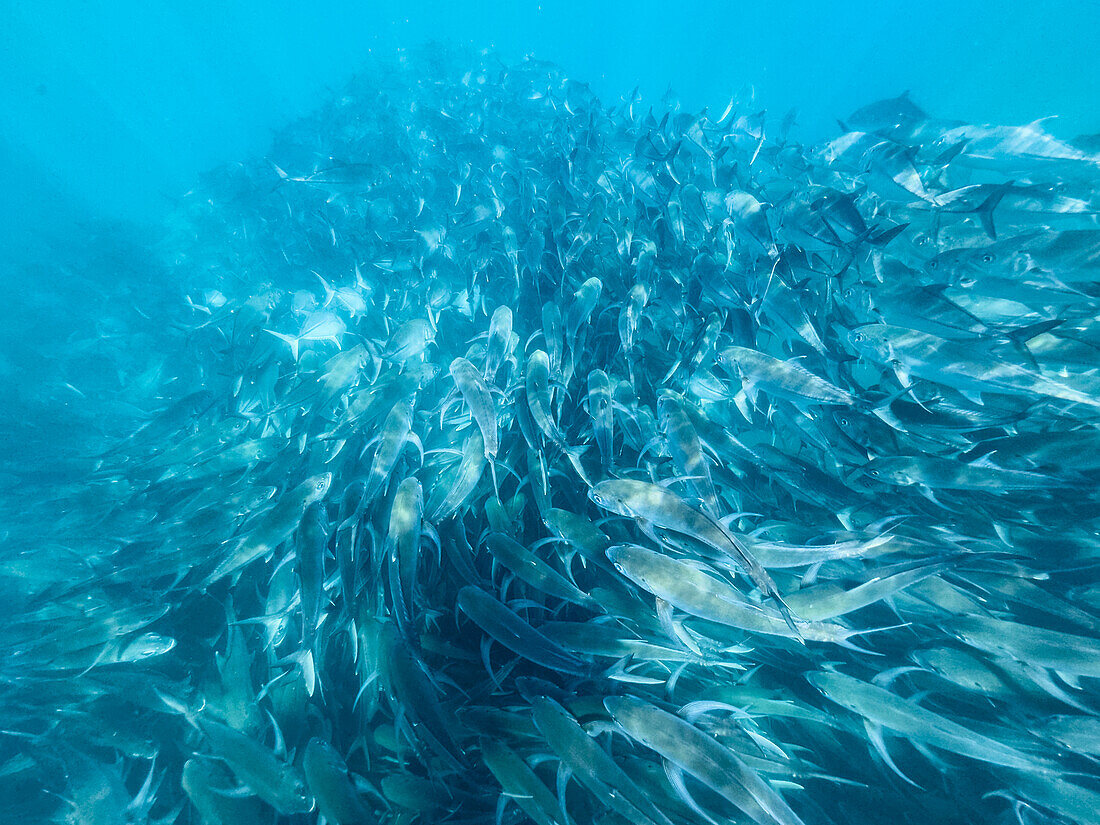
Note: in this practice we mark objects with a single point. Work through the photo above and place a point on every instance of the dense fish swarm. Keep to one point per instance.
(486, 454)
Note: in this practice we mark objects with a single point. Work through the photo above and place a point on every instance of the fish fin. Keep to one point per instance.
(574, 455)
(887, 677)
(788, 617)
(1071, 679)
(330, 293)
(740, 400)
(240, 792)
(564, 773)
(847, 644)
(951, 152)
(1021, 335)
(620, 672)
(289, 340)
(366, 684)
(885, 236)
(180, 707)
(493, 471)
(414, 439)
(282, 677)
(985, 210)
(279, 747)
(985, 462)
(676, 779)
(974, 396)
(876, 738)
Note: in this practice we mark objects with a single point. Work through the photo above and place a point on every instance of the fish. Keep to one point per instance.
(402, 546)
(1066, 653)
(697, 753)
(954, 364)
(412, 691)
(479, 400)
(601, 408)
(658, 507)
(538, 401)
(630, 316)
(258, 769)
(686, 450)
(457, 485)
(519, 783)
(278, 525)
(326, 775)
(319, 327)
(506, 627)
(591, 765)
(886, 114)
(883, 708)
(208, 785)
(782, 379)
(396, 433)
(704, 595)
(312, 545)
(533, 570)
(498, 343)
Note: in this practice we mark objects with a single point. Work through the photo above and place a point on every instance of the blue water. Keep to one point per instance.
(422, 414)
(109, 110)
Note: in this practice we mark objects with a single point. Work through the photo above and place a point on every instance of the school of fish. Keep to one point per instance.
(488, 454)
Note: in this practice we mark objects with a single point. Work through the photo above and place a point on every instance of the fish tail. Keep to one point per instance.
(290, 340)
(786, 613)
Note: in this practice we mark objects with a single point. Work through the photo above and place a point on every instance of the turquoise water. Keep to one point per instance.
(111, 109)
(661, 415)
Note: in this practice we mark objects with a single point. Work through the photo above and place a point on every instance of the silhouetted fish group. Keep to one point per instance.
(486, 454)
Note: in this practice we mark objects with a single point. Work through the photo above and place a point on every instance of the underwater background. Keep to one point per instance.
(111, 109)
(559, 414)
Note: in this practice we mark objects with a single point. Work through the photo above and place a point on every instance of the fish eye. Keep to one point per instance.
(933, 264)
(987, 258)
(596, 497)
(843, 422)
(857, 337)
